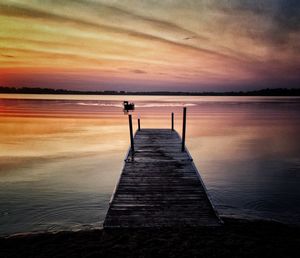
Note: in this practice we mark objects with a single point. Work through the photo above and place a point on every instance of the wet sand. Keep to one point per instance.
(236, 238)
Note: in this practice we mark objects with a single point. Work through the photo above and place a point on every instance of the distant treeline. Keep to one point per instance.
(262, 92)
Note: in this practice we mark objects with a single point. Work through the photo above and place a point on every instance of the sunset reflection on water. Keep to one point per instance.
(61, 156)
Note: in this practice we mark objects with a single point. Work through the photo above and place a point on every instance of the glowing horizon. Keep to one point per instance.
(149, 44)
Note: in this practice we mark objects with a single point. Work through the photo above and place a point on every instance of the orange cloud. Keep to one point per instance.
(189, 45)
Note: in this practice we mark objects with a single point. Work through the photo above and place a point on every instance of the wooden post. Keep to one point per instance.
(183, 129)
(131, 133)
(172, 121)
(139, 124)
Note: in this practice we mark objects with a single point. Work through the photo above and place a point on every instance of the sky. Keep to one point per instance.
(148, 45)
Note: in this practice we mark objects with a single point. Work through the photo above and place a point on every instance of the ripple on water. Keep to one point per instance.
(264, 205)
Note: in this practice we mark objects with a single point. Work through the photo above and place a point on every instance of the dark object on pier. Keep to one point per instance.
(128, 106)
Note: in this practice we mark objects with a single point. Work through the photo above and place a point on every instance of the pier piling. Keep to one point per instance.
(131, 133)
(183, 129)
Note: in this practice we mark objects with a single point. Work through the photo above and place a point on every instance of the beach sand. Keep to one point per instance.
(236, 238)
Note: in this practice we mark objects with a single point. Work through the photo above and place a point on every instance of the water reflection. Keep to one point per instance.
(60, 157)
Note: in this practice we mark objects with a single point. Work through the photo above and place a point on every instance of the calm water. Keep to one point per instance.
(61, 156)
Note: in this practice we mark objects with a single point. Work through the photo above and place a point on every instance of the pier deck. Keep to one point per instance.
(159, 186)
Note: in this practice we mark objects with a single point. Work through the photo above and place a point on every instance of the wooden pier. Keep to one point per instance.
(159, 186)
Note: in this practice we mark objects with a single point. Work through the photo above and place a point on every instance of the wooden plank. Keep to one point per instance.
(159, 186)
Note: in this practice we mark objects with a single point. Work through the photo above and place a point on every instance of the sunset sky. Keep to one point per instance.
(146, 45)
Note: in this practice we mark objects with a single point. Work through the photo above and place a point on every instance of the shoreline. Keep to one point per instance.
(258, 92)
(228, 219)
(236, 238)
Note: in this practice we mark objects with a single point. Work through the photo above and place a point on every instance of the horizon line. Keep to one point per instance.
(39, 90)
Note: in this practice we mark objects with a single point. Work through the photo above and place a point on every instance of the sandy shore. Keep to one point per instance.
(237, 238)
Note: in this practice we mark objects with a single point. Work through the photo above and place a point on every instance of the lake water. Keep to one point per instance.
(61, 156)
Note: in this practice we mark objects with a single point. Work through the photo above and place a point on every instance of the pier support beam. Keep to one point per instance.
(131, 133)
(139, 124)
(183, 129)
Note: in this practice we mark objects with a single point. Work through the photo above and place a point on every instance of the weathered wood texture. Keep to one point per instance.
(159, 186)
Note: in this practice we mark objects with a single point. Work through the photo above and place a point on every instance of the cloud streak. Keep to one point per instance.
(163, 44)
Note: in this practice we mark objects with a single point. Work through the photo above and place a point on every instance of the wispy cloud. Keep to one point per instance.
(160, 42)
(138, 71)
